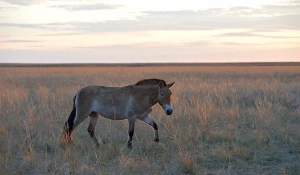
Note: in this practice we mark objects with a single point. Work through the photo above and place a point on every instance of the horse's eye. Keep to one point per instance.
(162, 94)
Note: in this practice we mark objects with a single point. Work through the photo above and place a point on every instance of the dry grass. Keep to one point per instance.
(226, 120)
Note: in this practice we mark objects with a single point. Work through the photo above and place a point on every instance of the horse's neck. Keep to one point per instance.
(149, 94)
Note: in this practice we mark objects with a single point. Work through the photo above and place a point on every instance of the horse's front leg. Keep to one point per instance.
(130, 132)
(150, 122)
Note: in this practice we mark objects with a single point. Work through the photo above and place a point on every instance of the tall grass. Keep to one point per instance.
(226, 120)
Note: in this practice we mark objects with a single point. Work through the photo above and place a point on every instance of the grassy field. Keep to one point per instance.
(226, 120)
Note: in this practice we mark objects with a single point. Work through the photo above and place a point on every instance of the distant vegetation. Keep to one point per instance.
(226, 120)
(147, 64)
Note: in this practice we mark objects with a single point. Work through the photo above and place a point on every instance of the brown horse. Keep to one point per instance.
(118, 103)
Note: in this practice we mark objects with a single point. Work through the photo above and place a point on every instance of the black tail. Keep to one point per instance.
(69, 123)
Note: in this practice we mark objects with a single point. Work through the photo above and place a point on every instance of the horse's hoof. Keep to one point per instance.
(129, 145)
(156, 140)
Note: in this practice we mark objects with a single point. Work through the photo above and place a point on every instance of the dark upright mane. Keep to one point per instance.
(151, 81)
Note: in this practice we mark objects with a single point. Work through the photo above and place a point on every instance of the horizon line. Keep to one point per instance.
(273, 63)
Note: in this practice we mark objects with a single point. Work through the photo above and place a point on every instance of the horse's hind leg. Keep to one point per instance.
(92, 126)
(81, 115)
(150, 122)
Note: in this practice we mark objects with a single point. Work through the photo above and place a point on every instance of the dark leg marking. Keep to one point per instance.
(156, 137)
(155, 126)
(130, 132)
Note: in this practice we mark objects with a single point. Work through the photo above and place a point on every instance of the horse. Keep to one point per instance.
(129, 102)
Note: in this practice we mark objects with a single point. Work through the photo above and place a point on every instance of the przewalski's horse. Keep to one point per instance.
(118, 103)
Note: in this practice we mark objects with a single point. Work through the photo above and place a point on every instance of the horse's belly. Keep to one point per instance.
(112, 116)
(108, 111)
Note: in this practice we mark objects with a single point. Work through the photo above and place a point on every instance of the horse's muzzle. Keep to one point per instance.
(168, 109)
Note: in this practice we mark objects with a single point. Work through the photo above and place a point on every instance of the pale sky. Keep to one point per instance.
(126, 31)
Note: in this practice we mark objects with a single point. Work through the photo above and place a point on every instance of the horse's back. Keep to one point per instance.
(93, 90)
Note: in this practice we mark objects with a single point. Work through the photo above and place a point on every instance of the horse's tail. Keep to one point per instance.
(68, 127)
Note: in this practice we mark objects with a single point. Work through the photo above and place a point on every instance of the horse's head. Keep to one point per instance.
(164, 97)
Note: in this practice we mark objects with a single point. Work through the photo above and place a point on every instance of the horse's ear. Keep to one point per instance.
(170, 85)
(161, 84)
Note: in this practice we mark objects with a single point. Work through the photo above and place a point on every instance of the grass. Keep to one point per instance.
(226, 120)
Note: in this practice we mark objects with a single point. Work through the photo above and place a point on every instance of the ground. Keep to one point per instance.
(226, 120)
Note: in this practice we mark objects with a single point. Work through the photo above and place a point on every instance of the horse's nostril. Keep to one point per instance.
(169, 112)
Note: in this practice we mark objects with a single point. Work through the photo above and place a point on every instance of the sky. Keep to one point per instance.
(139, 31)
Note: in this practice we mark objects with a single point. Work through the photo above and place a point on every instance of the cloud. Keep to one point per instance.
(46, 26)
(250, 34)
(199, 43)
(87, 7)
(136, 53)
(21, 41)
(239, 44)
(20, 25)
(3, 17)
(36, 46)
(193, 21)
(143, 45)
(263, 18)
(24, 2)
(295, 2)
(265, 30)
(61, 34)
(8, 8)
(280, 9)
